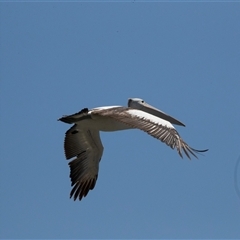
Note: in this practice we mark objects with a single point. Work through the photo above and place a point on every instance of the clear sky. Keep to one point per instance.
(57, 58)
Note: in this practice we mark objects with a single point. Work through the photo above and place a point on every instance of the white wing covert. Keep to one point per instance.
(154, 126)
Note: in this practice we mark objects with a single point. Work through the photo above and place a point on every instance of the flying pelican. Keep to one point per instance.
(83, 142)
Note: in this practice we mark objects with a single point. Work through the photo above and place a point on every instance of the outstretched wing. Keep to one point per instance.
(84, 144)
(154, 126)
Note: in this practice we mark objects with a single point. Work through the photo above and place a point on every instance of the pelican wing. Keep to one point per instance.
(86, 146)
(154, 126)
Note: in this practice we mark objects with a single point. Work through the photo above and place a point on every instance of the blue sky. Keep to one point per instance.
(57, 58)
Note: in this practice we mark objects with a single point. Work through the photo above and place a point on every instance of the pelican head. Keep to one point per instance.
(140, 104)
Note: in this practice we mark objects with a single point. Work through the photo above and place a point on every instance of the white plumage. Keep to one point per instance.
(83, 142)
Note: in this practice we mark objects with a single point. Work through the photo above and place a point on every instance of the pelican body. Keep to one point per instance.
(82, 141)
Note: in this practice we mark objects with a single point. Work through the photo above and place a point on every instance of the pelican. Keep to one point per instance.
(82, 141)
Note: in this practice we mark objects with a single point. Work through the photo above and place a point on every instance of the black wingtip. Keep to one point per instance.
(205, 150)
(198, 151)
